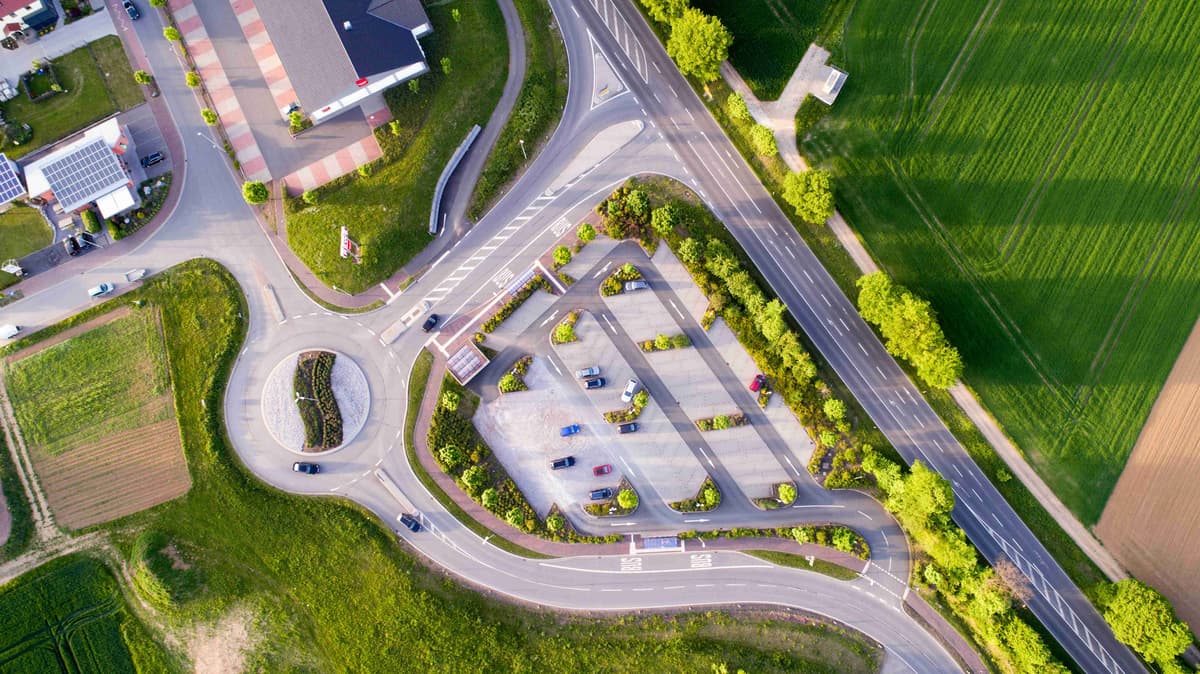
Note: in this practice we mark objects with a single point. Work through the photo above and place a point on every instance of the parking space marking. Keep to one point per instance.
(702, 453)
(610, 325)
(627, 466)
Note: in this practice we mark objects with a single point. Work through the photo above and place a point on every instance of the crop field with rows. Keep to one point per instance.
(101, 382)
(1032, 169)
(69, 616)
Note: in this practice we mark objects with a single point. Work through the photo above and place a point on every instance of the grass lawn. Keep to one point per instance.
(351, 598)
(69, 615)
(388, 213)
(101, 382)
(537, 110)
(771, 36)
(801, 562)
(89, 94)
(22, 231)
(986, 158)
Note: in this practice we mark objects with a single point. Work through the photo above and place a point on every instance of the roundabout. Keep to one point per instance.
(282, 400)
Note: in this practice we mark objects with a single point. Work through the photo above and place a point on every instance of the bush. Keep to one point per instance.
(511, 383)
(586, 233)
(515, 303)
(641, 399)
(172, 34)
(735, 107)
(787, 493)
(627, 499)
(564, 332)
(474, 479)
(515, 517)
(763, 140)
(562, 256)
(311, 197)
(366, 170)
(690, 252)
(610, 286)
(680, 341)
(254, 192)
(489, 498)
(452, 456)
(662, 342)
(720, 422)
(192, 79)
(394, 126)
(556, 522)
(451, 400)
(828, 439)
(142, 77)
(210, 117)
(91, 222)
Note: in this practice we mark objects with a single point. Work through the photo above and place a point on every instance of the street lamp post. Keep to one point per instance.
(522, 142)
(209, 140)
(300, 397)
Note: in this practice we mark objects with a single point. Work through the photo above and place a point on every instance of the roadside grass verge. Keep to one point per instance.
(795, 561)
(88, 95)
(22, 231)
(21, 533)
(323, 574)
(537, 110)
(388, 212)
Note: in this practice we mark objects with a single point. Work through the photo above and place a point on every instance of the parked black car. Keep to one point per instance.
(594, 382)
(71, 246)
(152, 159)
(601, 494)
(306, 467)
(627, 427)
(131, 9)
(564, 462)
(411, 522)
(430, 323)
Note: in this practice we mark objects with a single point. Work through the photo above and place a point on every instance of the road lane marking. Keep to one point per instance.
(610, 325)
(699, 520)
(865, 515)
(864, 349)
(789, 462)
(550, 318)
(674, 587)
(807, 275)
(789, 251)
(702, 453)
(956, 469)
(826, 300)
(627, 466)
(676, 308)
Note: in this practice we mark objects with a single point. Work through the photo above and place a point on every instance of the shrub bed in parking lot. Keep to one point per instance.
(722, 422)
(624, 502)
(615, 283)
(665, 343)
(829, 535)
(514, 379)
(564, 332)
(640, 400)
(538, 282)
(707, 498)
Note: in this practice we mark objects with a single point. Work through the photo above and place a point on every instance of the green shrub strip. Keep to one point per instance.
(314, 397)
(538, 282)
(833, 536)
(708, 497)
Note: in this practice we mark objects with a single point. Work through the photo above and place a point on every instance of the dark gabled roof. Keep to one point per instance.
(381, 32)
(323, 59)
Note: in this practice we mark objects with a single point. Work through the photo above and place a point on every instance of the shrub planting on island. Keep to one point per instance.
(538, 282)
(722, 422)
(564, 332)
(514, 379)
(615, 283)
(313, 387)
(707, 498)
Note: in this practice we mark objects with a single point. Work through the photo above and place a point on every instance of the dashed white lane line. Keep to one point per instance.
(865, 515)
(864, 349)
(627, 467)
(807, 275)
(674, 587)
(610, 325)
(958, 470)
(550, 318)
(702, 453)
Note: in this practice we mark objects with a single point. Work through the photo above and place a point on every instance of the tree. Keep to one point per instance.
(711, 497)
(665, 11)
(910, 329)
(1144, 620)
(698, 44)
(680, 341)
(515, 517)
(192, 79)
(142, 77)
(158, 3)
(172, 34)
(562, 255)
(763, 141)
(1013, 581)
(923, 498)
(254, 192)
(736, 108)
(637, 204)
(450, 399)
(770, 321)
(641, 399)
(210, 117)
(787, 493)
(563, 333)
(490, 498)
(556, 522)
(452, 456)
(835, 410)
(447, 66)
(474, 479)
(586, 232)
(627, 499)
(663, 220)
(690, 252)
(662, 342)
(1027, 649)
(811, 194)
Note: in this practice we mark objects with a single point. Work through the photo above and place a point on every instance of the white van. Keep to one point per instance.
(102, 289)
(9, 331)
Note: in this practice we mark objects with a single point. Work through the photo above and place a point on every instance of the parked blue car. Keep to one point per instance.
(569, 430)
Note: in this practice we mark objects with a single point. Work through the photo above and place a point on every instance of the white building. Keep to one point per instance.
(90, 169)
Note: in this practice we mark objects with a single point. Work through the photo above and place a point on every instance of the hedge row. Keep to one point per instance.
(538, 282)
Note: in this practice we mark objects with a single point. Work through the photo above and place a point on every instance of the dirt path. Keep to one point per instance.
(5, 520)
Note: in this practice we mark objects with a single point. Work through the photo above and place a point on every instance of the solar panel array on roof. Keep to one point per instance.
(81, 176)
(10, 182)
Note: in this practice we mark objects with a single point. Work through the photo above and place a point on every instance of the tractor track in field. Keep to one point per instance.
(970, 46)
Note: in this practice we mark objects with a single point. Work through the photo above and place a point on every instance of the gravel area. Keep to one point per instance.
(282, 417)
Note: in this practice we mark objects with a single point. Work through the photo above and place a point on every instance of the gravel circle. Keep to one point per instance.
(282, 416)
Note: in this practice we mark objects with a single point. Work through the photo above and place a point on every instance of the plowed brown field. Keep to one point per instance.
(118, 476)
(1150, 522)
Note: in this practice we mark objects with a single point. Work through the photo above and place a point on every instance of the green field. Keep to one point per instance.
(388, 213)
(771, 36)
(1030, 168)
(331, 590)
(96, 80)
(103, 381)
(69, 616)
(22, 231)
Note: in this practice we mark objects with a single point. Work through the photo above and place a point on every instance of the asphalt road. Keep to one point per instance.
(680, 140)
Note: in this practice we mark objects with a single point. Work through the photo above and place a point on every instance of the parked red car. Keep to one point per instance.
(602, 470)
(758, 382)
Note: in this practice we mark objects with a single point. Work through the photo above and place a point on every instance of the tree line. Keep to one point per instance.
(910, 329)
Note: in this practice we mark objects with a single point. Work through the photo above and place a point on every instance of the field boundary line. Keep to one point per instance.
(1078, 118)
(43, 518)
(982, 25)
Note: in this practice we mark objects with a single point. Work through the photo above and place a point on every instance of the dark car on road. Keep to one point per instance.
(564, 462)
(594, 382)
(430, 323)
(71, 246)
(758, 382)
(604, 469)
(306, 467)
(568, 430)
(152, 159)
(131, 9)
(627, 427)
(601, 494)
(410, 522)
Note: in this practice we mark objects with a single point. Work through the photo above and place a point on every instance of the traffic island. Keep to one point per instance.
(315, 401)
